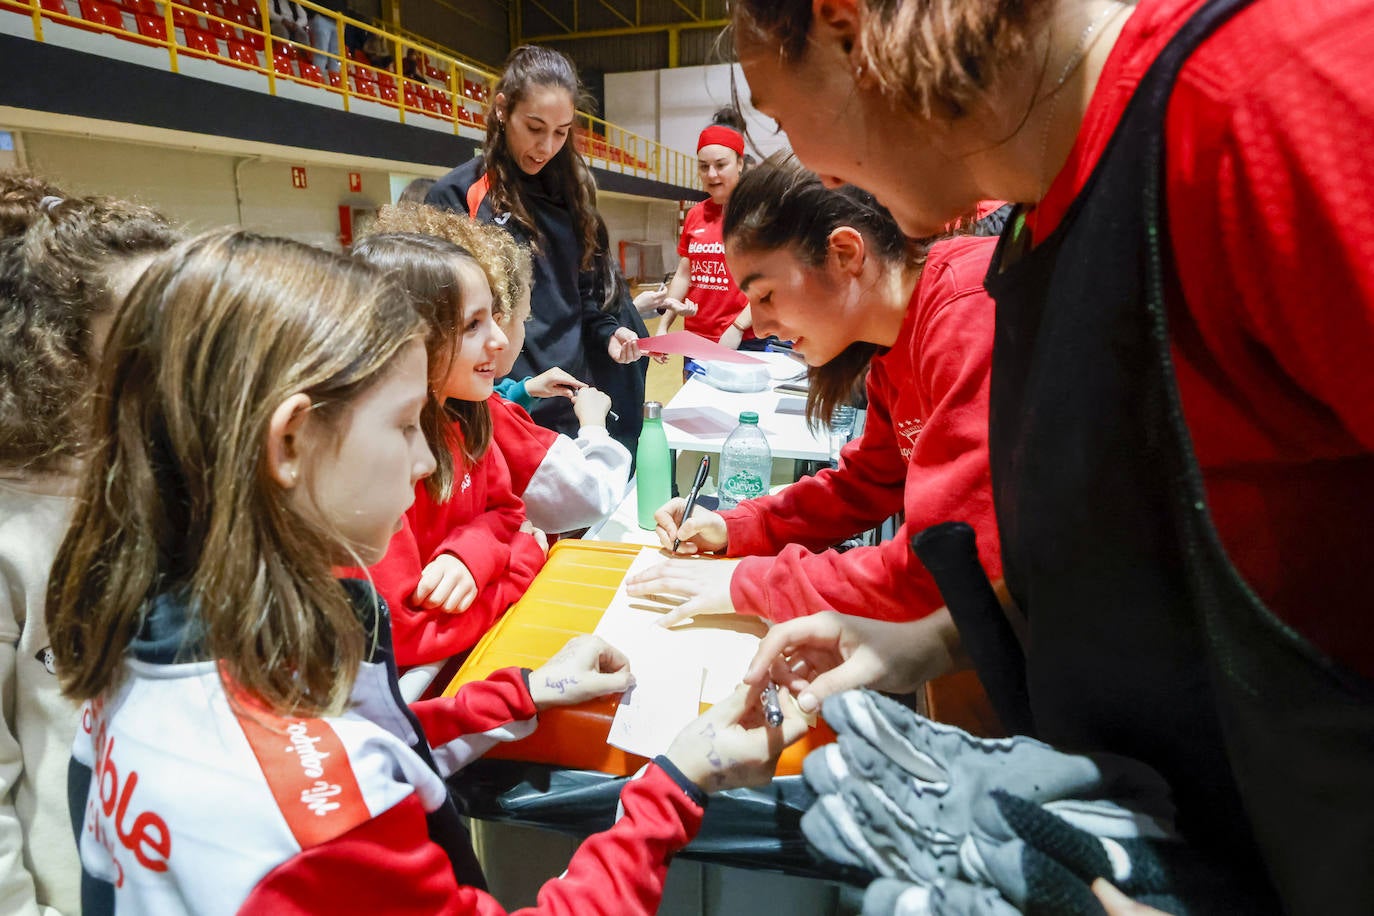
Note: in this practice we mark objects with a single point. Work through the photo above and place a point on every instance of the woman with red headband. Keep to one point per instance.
(702, 290)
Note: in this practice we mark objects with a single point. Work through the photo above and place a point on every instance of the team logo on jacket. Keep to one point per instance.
(501, 219)
(908, 431)
(467, 482)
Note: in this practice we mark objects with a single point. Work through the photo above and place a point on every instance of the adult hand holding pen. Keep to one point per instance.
(823, 654)
(704, 532)
(730, 745)
(704, 584)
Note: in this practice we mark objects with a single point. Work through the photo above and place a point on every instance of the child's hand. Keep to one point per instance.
(730, 745)
(623, 347)
(553, 383)
(446, 584)
(586, 668)
(591, 406)
(538, 534)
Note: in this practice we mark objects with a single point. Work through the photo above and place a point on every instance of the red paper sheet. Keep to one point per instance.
(695, 346)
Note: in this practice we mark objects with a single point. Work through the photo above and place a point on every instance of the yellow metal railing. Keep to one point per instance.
(238, 33)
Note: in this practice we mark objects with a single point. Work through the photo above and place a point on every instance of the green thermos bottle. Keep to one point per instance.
(653, 466)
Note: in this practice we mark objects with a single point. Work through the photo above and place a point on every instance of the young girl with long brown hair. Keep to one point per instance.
(566, 484)
(531, 180)
(830, 270)
(461, 558)
(242, 746)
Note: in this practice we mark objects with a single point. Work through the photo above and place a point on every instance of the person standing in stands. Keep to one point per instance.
(1182, 415)
(324, 36)
(288, 21)
(529, 180)
(702, 290)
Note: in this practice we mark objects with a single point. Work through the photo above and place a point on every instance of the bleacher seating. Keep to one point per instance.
(228, 31)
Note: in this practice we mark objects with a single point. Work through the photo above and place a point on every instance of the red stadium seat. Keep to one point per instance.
(152, 27)
(311, 72)
(200, 44)
(221, 29)
(184, 18)
(54, 6)
(334, 79)
(388, 93)
(102, 12)
(242, 52)
(281, 60)
(385, 80)
(365, 87)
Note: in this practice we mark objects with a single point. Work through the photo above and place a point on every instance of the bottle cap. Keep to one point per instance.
(653, 410)
(749, 416)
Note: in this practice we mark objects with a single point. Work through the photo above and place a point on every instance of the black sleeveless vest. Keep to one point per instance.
(1143, 639)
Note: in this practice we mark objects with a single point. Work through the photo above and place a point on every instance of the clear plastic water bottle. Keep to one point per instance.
(653, 467)
(746, 463)
(841, 431)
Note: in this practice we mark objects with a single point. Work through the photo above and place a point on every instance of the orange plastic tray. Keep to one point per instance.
(566, 599)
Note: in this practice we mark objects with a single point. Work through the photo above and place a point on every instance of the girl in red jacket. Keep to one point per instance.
(460, 558)
(830, 270)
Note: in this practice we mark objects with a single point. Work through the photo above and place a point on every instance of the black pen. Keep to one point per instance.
(702, 470)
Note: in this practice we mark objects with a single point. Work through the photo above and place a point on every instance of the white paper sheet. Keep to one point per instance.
(675, 669)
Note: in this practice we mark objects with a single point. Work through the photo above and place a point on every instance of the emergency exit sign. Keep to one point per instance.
(298, 176)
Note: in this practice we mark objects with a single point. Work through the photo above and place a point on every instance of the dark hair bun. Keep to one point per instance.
(728, 117)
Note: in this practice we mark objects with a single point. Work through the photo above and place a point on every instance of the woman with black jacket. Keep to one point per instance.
(530, 180)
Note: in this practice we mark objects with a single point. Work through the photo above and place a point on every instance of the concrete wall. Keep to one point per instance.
(204, 190)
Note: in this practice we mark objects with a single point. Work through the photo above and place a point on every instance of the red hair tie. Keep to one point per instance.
(720, 135)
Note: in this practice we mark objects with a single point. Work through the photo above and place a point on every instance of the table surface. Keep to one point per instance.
(700, 416)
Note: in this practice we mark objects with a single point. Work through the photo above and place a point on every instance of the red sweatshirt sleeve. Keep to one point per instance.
(473, 525)
(946, 476)
(463, 727)
(482, 541)
(523, 442)
(389, 865)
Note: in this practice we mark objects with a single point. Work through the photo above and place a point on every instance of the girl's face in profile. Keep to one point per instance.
(538, 127)
(796, 300)
(362, 479)
(473, 366)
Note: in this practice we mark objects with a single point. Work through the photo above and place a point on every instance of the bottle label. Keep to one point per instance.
(742, 486)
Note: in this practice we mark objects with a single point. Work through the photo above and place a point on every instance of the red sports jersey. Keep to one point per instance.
(717, 298)
(1267, 138)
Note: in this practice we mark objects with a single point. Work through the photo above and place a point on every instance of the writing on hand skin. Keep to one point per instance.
(561, 685)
